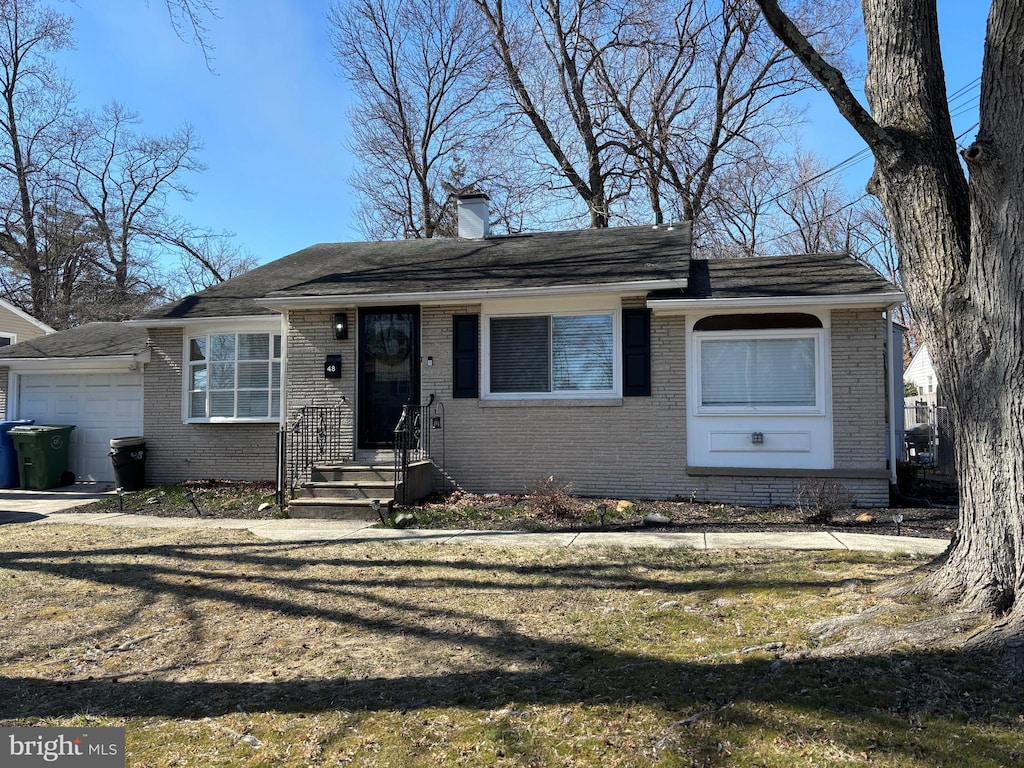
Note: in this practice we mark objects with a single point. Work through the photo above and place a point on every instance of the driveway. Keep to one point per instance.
(15, 503)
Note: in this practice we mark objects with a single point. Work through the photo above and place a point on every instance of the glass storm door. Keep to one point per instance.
(388, 371)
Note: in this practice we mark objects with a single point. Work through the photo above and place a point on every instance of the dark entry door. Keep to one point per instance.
(389, 369)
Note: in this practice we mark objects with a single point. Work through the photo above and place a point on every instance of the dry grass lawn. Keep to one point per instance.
(219, 649)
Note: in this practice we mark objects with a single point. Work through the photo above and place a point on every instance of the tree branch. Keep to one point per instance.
(831, 79)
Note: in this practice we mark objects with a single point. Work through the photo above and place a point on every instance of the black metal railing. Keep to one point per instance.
(315, 437)
(419, 436)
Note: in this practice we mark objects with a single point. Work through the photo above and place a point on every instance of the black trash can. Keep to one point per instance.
(129, 457)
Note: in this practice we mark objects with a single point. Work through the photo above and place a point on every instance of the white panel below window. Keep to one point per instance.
(773, 442)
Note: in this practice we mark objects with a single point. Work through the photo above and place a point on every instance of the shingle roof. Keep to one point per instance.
(91, 340)
(585, 257)
(814, 274)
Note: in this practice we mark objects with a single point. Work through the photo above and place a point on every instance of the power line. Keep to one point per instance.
(857, 157)
(861, 155)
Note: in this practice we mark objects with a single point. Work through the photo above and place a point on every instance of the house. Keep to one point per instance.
(921, 373)
(611, 359)
(16, 325)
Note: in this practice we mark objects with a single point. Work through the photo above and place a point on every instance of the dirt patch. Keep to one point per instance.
(194, 498)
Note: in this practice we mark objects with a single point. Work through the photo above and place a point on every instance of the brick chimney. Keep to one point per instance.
(474, 216)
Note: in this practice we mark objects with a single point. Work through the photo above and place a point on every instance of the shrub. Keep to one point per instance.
(819, 498)
(550, 496)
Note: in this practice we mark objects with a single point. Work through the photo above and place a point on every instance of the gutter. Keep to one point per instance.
(280, 303)
(242, 321)
(885, 300)
(890, 382)
(77, 362)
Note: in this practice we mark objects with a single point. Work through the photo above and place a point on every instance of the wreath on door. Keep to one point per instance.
(390, 345)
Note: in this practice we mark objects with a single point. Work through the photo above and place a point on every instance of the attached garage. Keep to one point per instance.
(100, 405)
(91, 377)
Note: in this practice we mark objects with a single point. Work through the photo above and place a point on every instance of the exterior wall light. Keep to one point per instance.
(341, 326)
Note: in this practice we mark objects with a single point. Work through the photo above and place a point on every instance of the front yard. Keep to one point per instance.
(217, 648)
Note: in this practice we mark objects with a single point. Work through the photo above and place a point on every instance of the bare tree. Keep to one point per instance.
(872, 242)
(35, 104)
(742, 213)
(818, 214)
(700, 88)
(424, 120)
(959, 240)
(205, 257)
(122, 181)
(547, 52)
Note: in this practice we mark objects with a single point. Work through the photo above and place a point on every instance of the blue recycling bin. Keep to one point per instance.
(9, 454)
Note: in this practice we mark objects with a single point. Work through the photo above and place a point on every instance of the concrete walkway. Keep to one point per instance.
(48, 507)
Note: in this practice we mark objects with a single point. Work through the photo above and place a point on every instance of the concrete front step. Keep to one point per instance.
(337, 509)
(349, 489)
(331, 473)
(346, 491)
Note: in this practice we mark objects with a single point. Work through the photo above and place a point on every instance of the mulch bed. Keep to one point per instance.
(492, 512)
(553, 513)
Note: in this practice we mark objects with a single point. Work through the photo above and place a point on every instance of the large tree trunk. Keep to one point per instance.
(960, 245)
(982, 345)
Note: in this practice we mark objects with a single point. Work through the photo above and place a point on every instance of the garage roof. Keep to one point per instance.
(86, 341)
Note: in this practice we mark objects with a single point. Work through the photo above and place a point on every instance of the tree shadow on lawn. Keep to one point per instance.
(876, 692)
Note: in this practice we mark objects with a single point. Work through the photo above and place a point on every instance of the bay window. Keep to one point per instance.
(234, 376)
(775, 370)
(757, 372)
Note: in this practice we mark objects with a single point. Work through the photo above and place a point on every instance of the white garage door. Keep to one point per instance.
(100, 405)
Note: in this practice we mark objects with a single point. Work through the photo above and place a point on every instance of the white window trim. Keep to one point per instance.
(195, 332)
(821, 373)
(565, 307)
(12, 336)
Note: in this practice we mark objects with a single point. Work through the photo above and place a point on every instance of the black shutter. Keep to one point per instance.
(636, 352)
(466, 356)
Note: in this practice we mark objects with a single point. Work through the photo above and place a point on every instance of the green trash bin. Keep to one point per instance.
(42, 455)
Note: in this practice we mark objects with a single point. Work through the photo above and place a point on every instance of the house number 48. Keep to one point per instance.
(332, 367)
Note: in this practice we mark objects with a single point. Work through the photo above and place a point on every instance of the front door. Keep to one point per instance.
(389, 357)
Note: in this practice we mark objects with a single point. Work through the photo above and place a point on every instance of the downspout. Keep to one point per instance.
(895, 497)
(889, 385)
(283, 416)
(282, 458)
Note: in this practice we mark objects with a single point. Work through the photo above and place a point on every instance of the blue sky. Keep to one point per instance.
(272, 114)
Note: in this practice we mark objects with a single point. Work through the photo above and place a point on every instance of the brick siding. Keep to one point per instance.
(633, 447)
(858, 388)
(179, 451)
(636, 447)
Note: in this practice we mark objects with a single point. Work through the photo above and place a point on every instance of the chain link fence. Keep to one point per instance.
(929, 439)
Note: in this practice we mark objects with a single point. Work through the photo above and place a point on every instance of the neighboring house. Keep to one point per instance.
(608, 358)
(89, 376)
(921, 373)
(16, 325)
